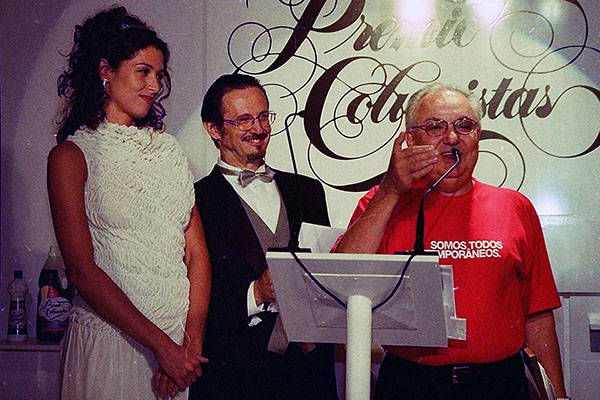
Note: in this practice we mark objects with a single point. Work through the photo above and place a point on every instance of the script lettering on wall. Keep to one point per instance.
(352, 65)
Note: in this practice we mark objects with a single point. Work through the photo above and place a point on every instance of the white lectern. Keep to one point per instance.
(421, 313)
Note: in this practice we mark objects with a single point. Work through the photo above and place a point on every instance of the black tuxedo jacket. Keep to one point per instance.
(237, 258)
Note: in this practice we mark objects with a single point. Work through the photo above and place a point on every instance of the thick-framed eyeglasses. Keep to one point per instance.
(246, 122)
(436, 128)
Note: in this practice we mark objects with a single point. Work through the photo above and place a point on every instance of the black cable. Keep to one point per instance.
(316, 281)
(393, 292)
(340, 301)
(293, 243)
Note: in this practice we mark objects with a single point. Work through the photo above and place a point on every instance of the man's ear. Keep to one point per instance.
(105, 71)
(212, 130)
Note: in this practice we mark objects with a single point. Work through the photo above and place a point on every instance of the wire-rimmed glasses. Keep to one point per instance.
(246, 122)
(439, 127)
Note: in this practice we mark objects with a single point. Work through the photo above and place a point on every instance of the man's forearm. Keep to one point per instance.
(365, 234)
(541, 338)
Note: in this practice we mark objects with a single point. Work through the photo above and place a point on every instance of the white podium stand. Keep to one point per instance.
(419, 314)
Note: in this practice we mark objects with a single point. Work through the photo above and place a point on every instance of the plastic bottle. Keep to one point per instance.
(54, 299)
(17, 317)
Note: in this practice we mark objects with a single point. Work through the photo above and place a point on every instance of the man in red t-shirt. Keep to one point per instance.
(493, 239)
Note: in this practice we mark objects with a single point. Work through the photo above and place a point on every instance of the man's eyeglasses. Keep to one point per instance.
(246, 122)
(436, 128)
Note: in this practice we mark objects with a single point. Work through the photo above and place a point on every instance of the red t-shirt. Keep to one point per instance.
(493, 239)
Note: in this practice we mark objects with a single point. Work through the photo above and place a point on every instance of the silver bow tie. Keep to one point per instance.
(246, 176)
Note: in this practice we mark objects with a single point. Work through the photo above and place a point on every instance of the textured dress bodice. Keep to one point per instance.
(138, 198)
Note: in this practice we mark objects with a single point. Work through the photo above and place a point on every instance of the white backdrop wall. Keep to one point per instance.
(351, 65)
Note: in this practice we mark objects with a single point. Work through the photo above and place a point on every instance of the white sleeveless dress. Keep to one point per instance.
(138, 198)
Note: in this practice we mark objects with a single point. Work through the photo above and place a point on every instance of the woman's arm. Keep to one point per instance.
(198, 264)
(67, 173)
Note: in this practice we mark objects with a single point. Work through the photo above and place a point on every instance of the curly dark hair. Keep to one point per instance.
(116, 36)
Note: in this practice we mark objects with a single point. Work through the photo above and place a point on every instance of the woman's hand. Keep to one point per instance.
(166, 384)
(180, 363)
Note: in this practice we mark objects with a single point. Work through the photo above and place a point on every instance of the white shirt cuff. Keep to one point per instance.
(252, 307)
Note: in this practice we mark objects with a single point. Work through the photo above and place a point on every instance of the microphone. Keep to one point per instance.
(419, 247)
(296, 220)
(287, 123)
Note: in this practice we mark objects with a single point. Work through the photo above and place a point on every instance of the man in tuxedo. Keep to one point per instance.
(247, 207)
(492, 237)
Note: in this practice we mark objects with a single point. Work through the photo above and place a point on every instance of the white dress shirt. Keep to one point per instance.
(264, 198)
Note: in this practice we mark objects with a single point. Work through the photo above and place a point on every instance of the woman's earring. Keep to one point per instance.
(104, 97)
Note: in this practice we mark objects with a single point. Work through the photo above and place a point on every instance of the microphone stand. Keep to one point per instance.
(294, 242)
(293, 246)
(419, 247)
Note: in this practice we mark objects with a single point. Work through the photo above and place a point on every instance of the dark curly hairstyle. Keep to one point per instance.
(116, 36)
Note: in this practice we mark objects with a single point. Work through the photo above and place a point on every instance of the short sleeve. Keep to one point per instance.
(543, 294)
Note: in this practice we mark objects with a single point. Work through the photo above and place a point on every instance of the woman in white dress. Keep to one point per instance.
(121, 196)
